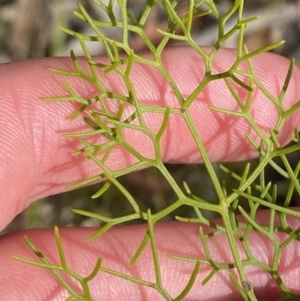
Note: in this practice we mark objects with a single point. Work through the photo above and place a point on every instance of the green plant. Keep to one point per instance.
(251, 187)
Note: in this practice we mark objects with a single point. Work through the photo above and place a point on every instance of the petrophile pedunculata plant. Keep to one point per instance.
(115, 112)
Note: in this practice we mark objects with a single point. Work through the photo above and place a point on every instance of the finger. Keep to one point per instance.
(117, 248)
(36, 161)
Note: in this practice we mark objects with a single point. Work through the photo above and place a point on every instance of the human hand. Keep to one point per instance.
(36, 162)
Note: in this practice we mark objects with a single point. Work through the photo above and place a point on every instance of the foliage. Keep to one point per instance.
(251, 188)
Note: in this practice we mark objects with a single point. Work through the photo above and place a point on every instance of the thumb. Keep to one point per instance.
(21, 281)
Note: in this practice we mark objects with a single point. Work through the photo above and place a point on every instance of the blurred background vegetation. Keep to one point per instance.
(29, 28)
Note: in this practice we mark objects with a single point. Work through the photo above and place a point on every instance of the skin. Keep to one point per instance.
(36, 162)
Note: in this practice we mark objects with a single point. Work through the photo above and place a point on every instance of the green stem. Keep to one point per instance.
(205, 158)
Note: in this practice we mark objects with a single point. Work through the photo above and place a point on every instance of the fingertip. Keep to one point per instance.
(38, 162)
